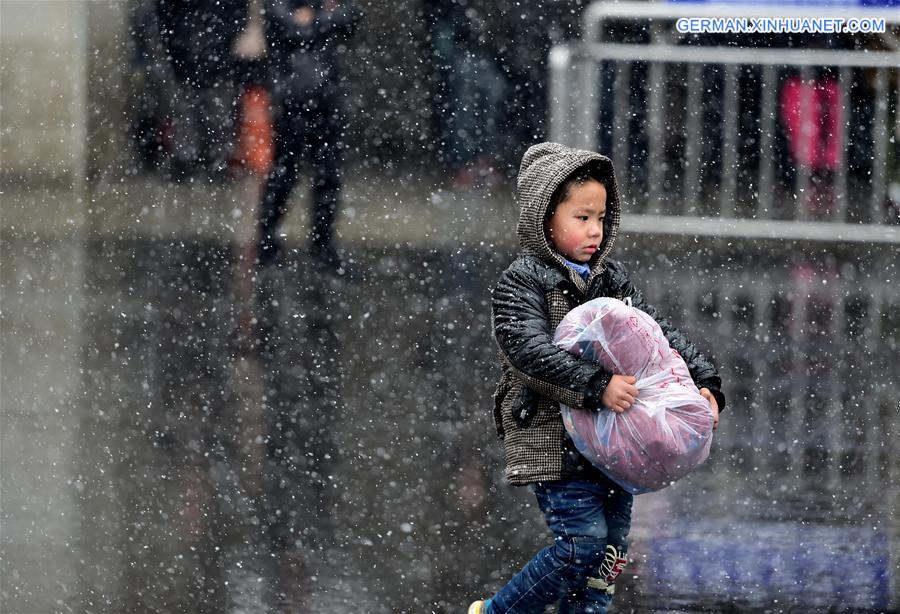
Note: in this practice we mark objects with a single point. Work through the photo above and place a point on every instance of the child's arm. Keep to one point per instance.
(703, 371)
(522, 331)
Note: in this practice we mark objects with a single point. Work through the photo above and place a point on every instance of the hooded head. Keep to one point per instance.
(545, 167)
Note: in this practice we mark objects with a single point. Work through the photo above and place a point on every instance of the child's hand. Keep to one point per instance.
(706, 394)
(620, 393)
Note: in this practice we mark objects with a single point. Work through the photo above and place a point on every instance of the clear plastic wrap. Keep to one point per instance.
(667, 432)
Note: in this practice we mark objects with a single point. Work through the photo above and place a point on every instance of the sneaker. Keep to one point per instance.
(478, 607)
(613, 564)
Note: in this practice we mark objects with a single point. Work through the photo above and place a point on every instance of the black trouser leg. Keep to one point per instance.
(326, 195)
(279, 183)
(185, 128)
(326, 153)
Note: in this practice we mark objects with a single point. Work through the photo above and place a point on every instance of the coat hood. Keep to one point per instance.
(544, 167)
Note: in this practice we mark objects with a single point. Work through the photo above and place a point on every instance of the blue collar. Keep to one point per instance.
(582, 269)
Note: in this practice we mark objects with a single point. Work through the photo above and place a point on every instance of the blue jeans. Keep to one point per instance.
(585, 517)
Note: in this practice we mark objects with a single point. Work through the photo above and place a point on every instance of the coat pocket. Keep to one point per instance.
(500, 395)
(525, 407)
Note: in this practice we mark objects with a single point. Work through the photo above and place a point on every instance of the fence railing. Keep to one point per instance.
(807, 348)
(789, 142)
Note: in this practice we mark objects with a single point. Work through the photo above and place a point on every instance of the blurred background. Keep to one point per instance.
(198, 416)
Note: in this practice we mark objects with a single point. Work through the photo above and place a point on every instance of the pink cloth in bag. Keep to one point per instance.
(667, 432)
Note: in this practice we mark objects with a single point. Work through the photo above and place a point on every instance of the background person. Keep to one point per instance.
(305, 43)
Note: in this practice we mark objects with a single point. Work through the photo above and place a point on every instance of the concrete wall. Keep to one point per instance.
(43, 118)
(42, 89)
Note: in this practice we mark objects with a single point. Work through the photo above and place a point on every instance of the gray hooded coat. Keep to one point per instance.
(528, 303)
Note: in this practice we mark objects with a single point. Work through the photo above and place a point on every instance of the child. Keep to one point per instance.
(568, 222)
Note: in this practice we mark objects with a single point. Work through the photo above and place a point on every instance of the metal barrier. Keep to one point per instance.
(805, 345)
(699, 134)
(700, 141)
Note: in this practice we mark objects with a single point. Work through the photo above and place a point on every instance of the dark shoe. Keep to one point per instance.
(327, 257)
(181, 170)
(268, 252)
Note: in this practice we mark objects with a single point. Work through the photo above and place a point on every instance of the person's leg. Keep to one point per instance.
(574, 513)
(280, 181)
(598, 594)
(463, 87)
(218, 128)
(185, 128)
(490, 93)
(326, 153)
(617, 509)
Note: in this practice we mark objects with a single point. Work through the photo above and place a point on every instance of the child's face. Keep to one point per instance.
(575, 229)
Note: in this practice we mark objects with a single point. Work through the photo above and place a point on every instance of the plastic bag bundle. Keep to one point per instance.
(667, 432)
